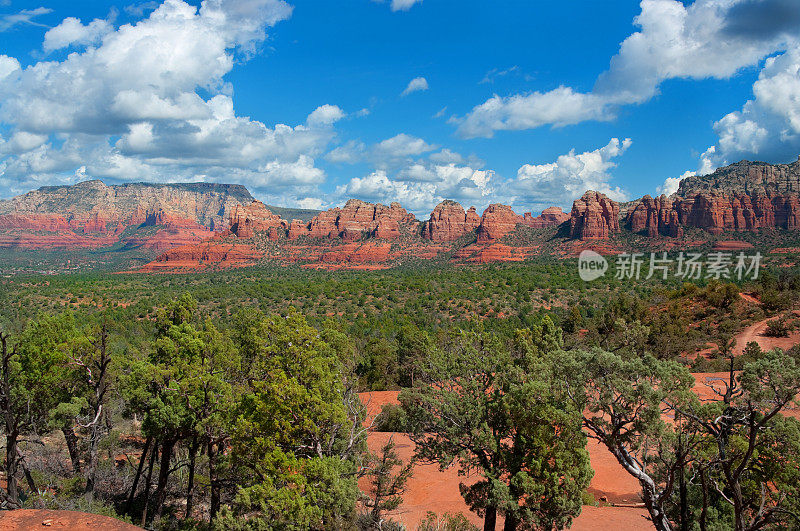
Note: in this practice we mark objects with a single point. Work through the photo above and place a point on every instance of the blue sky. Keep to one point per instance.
(309, 103)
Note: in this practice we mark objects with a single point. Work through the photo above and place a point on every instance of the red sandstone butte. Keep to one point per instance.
(549, 217)
(496, 222)
(656, 216)
(594, 217)
(202, 255)
(449, 222)
(245, 221)
(356, 219)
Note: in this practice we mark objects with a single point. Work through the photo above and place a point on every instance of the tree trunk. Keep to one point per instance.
(11, 467)
(100, 388)
(153, 455)
(163, 476)
(138, 475)
(11, 427)
(704, 510)
(657, 514)
(490, 520)
(72, 448)
(190, 489)
(682, 489)
(91, 467)
(214, 480)
(738, 506)
(26, 471)
(511, 523)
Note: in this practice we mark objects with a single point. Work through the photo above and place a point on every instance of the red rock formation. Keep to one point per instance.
(449, 222)
(549, 217)
(386, 229)
(715, 212)
(297, 228)
(719, 211)
(357, 219)
(656, 216)
(247, 220)
(95, 223)
(732, 245)
(202, 255)
(594, 217)
(34, 222)
(496, 222)
(494, 252)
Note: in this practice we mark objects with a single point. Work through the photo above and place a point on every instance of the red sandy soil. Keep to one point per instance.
(68, 520)
(731, 245)
(755, 332)
(611, 519)
(433, 490)
(786, 250)
(707, 382)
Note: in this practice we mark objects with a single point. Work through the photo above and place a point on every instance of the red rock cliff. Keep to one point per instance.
(594, 217)
(449, 222)
(356, 219)
(549, 217)
(496, 222)
(255, 217)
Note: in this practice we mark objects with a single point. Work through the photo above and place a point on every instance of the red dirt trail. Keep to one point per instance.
(66, 520)
(430, 489)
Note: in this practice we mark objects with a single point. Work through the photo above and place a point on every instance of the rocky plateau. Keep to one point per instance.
(199, 225)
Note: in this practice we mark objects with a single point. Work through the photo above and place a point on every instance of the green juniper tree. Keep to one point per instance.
(498, 413)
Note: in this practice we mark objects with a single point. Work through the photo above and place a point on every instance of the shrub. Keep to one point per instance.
(777, 328)
(391, 418)
(587, 498)
(446, 522)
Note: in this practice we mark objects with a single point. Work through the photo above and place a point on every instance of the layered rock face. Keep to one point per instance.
(718, 212)
(205, 254)
(91, 204)
(449, 221)
(549, 217)
(740, 197)
(594, 217)
(91, 214)
(245, 221)
(355, 220)
(496, 222)
(656, 216)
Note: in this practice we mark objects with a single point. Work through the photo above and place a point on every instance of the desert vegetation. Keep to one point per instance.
(231, 401)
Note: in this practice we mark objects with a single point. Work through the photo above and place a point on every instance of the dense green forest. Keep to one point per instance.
(229, 400)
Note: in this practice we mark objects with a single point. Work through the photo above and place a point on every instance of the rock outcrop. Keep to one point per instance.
(203, 255)
(497, 221)
(93, 203)
(91, 214)
(245, 221)
(741, 197)
(449, 221)
(357, 219)
(594, 217)
(655, 216)
(549, 217)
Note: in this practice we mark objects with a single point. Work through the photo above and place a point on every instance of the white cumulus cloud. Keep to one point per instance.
(404, 5)
(71, 32)
(558, 183)
(767, 127)
(415, 85)
(707, 38)
(149, 100)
